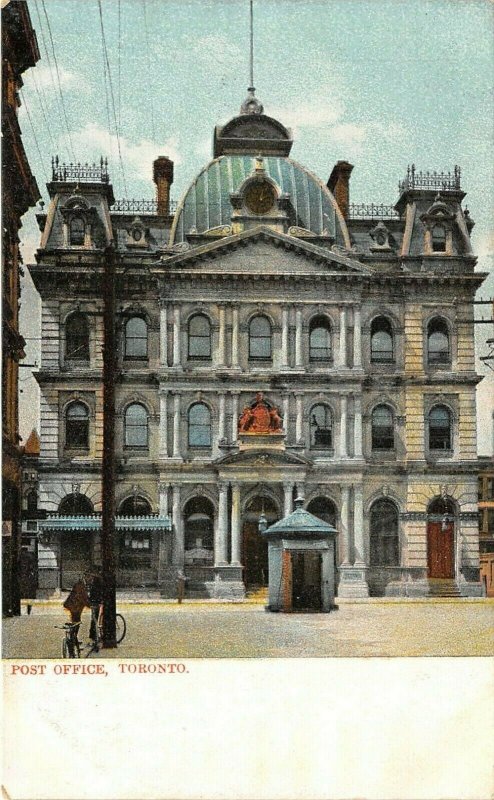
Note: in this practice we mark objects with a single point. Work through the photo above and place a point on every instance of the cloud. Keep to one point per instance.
(93, 141)
(308, 115)
(46, 80)
(216, 48)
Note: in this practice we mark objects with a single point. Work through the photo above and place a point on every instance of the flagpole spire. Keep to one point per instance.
(251, 44)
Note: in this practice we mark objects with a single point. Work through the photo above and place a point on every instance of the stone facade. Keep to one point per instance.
(260, 291)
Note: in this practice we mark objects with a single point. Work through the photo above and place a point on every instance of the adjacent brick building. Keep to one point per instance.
(20, 192)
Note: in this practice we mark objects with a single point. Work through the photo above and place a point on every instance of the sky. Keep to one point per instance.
(381, 83)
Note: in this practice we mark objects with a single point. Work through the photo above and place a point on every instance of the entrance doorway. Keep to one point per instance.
(306, 581)
(440, 539)
(75, 557)
(254, 545)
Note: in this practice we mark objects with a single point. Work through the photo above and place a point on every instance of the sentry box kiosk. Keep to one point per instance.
(301, 553)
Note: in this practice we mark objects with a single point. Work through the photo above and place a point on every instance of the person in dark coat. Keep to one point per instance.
(76, 602)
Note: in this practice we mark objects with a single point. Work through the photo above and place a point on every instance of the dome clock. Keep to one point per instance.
(260, 197)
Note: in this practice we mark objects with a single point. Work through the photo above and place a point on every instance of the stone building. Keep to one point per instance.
(275, 340)
(19, 193)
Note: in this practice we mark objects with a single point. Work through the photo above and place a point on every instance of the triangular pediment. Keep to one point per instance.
(262, 458)
(265, 251)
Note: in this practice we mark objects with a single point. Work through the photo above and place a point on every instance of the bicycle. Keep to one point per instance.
(71, 646)
(97, 619)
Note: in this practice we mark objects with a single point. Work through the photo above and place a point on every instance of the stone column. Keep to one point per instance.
(163, 333)
(221, 422)
(357, 427)
(298, 424)
(298, 338)
(163, 500)
(288, 490)
(178, 539)
(220, 544)
(163, 512)
(176, 426)
(342, 342)
(284, 338)
(345, 532)
(357, 338)
(235, 346)
(221, 338)
(176, 336)
(286, 414)
(236, 555)
(235, 415)
(343, 426)
(163, 423)
(358, 525)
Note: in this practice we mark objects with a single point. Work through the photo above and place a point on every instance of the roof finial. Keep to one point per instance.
(251, 104)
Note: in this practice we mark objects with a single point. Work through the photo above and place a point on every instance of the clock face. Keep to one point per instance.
(259, 197)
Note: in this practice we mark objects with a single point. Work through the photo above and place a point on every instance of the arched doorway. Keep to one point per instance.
(75, 546)
(441, 538)
(254, 545)
(199, 532)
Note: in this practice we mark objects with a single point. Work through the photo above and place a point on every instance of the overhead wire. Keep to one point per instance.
(40, 29)
(58, 79)
(34, 134)
(119, 65)
(43, 111)
(105, 53)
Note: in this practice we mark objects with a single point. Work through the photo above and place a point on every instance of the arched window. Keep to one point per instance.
(136, 338)
(32, 501)
(77, 230)
(382, 351)
(440, 428)
(260, 338)
(324, 509)
(136, 426)
(199, 427)
(135, 506)
(438, 239)
(77, 337)
(384, 543)
(199, 337)
(77, 425)
(199, 531)
(75, 504)
(382, 424)
(438, 350)
(321, 427)
(320, 340)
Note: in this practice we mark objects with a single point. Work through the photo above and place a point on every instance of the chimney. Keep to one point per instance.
(163, 178)
(339, 185)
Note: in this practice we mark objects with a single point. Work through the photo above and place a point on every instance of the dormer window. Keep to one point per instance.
(77, 231)
(438, 239)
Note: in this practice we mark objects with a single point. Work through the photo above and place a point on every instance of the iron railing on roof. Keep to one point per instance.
(440, 181)
(86, 173)
(140, 207)
(371, 211)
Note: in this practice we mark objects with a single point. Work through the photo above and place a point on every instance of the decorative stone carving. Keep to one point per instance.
(260, 418)
(380, 237)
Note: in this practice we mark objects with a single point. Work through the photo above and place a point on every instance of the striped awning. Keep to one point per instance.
(92, 522)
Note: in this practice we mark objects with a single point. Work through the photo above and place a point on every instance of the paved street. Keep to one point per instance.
(221, 630)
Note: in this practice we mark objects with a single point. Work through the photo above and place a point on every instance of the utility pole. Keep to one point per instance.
(108, 471)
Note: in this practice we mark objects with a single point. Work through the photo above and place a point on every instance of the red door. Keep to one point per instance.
(440, 550)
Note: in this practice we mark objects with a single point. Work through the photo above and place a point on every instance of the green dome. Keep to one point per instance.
(206, 203)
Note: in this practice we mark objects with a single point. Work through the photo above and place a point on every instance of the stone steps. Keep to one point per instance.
(443, 587)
